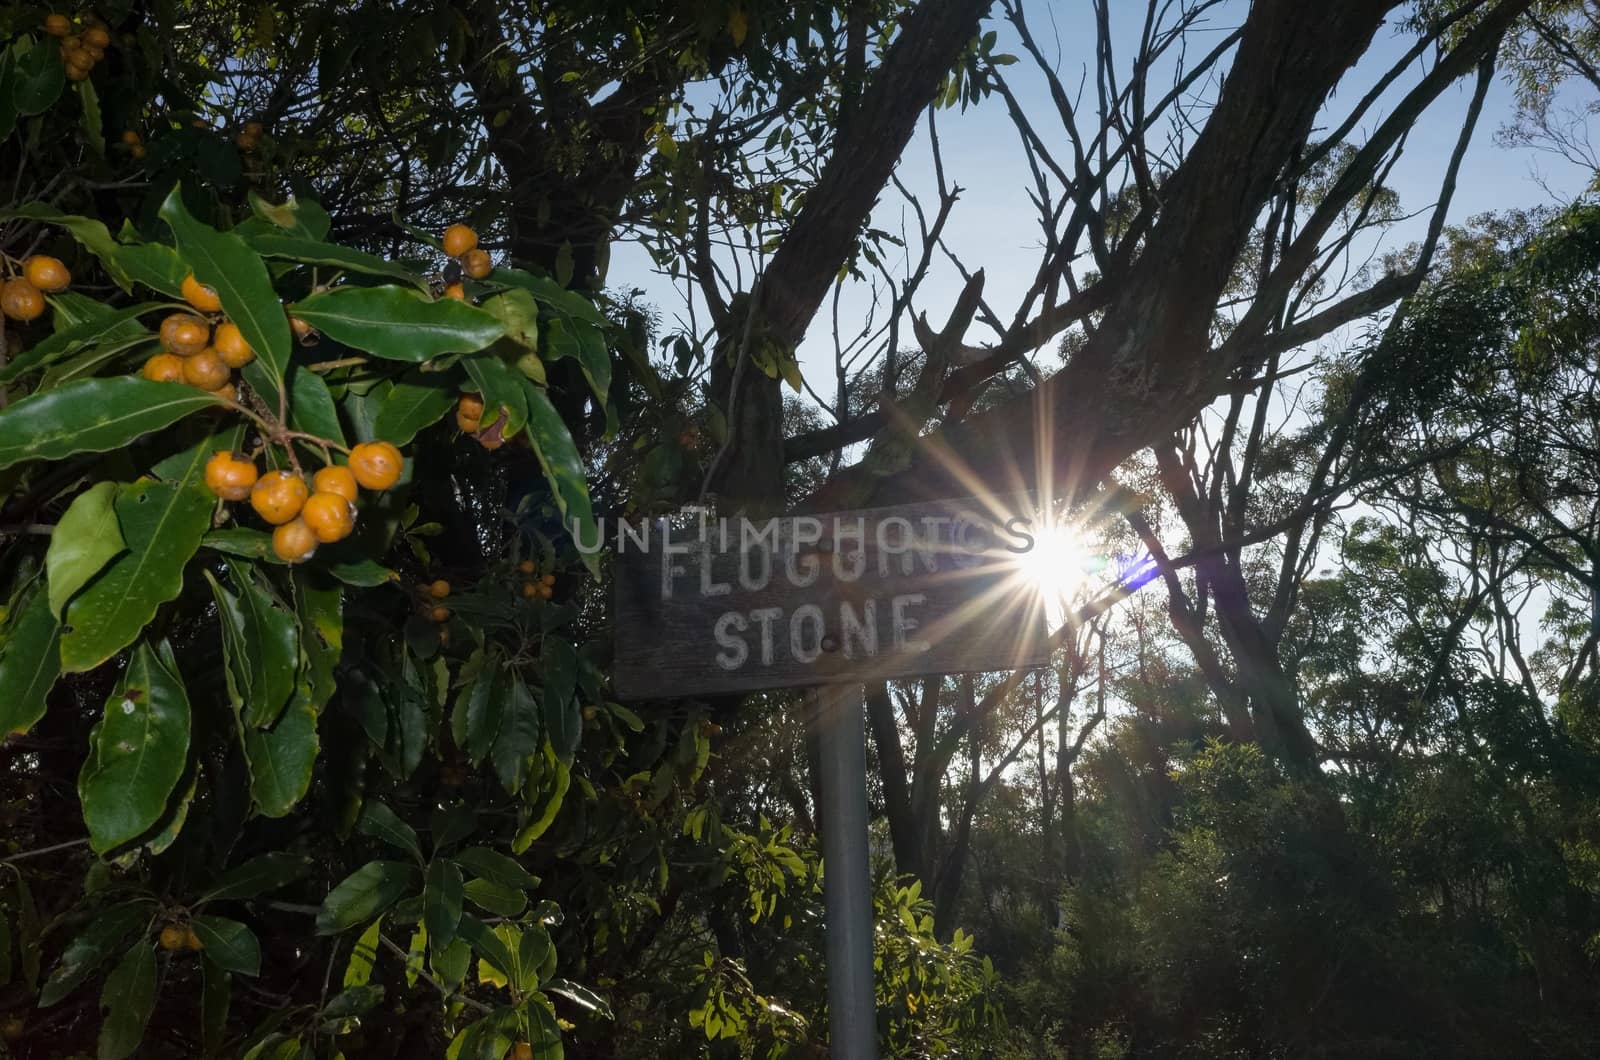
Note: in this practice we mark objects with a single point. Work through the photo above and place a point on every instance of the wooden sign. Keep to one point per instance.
(710, 605)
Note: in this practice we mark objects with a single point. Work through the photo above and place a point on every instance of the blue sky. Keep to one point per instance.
(994, 225)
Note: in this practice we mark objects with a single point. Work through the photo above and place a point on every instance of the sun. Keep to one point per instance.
(1056, 567)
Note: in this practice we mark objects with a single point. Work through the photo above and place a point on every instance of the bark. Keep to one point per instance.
(749, 470)
(1141, 376)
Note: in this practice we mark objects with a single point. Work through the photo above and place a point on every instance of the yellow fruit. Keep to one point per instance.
(456, 291)
(329, 515)
(76, 72)
(476, 264)
(163, 368)
(469, 413)
(230, 345)
(20, 300)
(335, 479)
(522, 1051)
(173, 937)
(97, 37)
(294, 541)
(200, 296)
(46, 273)
(229, 477)
(57, 25)
(439, 589)
(278, 497)
(205, 370)
(376, 465)
(227, 392)
(458, 239)
(184, 334)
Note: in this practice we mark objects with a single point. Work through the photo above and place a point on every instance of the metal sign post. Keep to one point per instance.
(847, 876)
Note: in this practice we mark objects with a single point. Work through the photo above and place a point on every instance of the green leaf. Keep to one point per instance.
(519, 735)
(502, 901)
(92, 416)
(580, 995)
(270, 647)
(223, 261)
(229, 944)
(476, 720)
(128, 999)
(380, 822)
(364, 894)
(114, 331)
(90, 948)
(358, 972)
(535, 953)
(451, 966)
(281, 758)
(262, 873)
(30, 662)
(8, 80)
(398, 324)
(152, 264)
(563, 468)
(86, 538)
(495, 867)
(137, 753)
(441, 903)
(489, 946)
(586, 344)
(38, 79)
(416, 401)
(502, 388)
(304, 218)
(364, 572)
(89, 100)
(315, 252)
(319, 608)
(354, 1002)
(162, 524)
(518, 310)
(241, 541)
(562, 716)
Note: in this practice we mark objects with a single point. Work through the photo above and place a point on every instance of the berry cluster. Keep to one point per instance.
(134, 143)
(461, 243)
(195, 354)
(304, 517)
(535, 585)
(80, 50)
(22, 297)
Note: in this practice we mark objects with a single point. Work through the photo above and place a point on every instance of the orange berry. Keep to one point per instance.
(57, 25)
(46, 273)
(456, 291)
(522, 1051)
(94, 52)
(530, 589)
(184, 334)
(20, 300)
(439, 613)
(253, 128)
(548, 579)
(329, 515)
(444, 637)
(246, 142)
(476, 264)
(130, 137)
(294, 541)
(231, 346)
(469, 413)
(97, 37)
(74, 71)
(200, 296)
(376, 465)
(526, 566)
(13, 1029)
(335, 479)
(439, 589)
(304, 333)
(278, 497)
(173, 937)
(227, 392)
(229, 477)
(192, 941)
(163, 368)
(136, 152)
(205, 370)
(458, 239)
